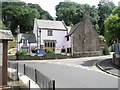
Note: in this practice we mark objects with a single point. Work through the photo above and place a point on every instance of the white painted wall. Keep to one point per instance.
(59, 36)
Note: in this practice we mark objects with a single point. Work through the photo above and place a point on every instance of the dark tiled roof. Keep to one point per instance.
(49, 24)
(6, 35)
(30, 37)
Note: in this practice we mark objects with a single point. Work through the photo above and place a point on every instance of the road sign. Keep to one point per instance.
(57, 50)
(40, 51)
(116, 46)
(1, 52)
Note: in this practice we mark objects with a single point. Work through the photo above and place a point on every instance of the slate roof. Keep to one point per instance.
(6, 35)
(49, 24)
(30, 37)
(73, 28)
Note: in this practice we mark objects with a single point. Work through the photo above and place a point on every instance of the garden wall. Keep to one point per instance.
(36, 57)
(116, 60)
(87, 54)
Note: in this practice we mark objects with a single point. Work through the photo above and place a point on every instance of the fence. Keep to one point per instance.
(41, 80)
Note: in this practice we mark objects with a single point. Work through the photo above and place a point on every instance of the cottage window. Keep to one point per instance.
(53, 44)
(24, 41)
(50, 33)
(50, 44)
(45, 44)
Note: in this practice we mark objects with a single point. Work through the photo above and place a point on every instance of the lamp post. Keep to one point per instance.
(18, 31)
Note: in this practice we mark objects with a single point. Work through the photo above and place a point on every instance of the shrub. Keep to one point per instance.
(106, 51)
(33, 51)
(21, 52)
(49, 50)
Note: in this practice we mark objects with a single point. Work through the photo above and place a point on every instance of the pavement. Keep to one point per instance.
(107, 66)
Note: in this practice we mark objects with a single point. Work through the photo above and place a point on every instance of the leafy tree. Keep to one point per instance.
(112, 26)
(22, 14)
(2, 26)
(40, 10)
(15, 14)
(72, 13)
(104, 10)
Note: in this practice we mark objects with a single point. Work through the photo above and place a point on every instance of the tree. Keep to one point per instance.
(18, 13)
(72, 13)
(2, 26)
(40, 10)
(105, 8)
(22, 14)
(112, 26)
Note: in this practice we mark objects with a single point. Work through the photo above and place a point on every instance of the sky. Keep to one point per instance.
(49, 5)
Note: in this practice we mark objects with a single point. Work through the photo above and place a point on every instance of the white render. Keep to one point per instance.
(58, 28)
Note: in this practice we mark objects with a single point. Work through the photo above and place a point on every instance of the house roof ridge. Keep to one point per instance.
(50, 24)
(74, 28)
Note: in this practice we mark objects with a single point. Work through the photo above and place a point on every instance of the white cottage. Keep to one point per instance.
(51, 34)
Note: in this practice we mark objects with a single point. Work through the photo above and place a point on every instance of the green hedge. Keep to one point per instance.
(49, 51)
(106, 51)
(21, 52)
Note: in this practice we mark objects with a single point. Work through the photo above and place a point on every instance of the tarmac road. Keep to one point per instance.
(69, 76)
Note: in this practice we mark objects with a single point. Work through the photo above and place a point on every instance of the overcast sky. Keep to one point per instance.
(49, 5)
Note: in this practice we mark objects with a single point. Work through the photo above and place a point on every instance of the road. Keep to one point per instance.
(74, 73)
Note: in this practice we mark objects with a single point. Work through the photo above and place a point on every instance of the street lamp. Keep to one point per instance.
(17, 31)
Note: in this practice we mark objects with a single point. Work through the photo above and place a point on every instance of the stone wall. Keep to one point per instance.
(85, 37)
(116, 60)
(87, 54)
(36, 57)
(55, 56)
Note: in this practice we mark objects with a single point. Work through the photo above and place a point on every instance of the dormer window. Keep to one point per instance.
(50, 33)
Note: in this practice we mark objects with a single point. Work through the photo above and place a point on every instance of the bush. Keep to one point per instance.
(21, 52)
(106, 51)
(49, 51)
(33, 51)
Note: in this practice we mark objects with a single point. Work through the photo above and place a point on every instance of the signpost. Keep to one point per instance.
(117, 50)
(5, 36)
(1, 52)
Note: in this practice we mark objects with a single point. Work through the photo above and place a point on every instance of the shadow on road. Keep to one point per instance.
(89, 63)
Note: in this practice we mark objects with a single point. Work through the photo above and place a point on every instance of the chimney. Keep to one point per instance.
(44, 17)
(119, 3)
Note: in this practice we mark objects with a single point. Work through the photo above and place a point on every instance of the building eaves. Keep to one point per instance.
(6, 35)
(51, 25)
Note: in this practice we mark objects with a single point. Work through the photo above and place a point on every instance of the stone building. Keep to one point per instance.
(84, 38)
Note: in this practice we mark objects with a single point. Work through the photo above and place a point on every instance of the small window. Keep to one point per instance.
(45, 44)
(50, 33)
(24, 41)
(51, 44)
(48, 44)
(67, 38)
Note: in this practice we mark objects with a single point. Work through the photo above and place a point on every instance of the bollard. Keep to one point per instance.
(53, 84)
(35, 75)
(24, 69)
